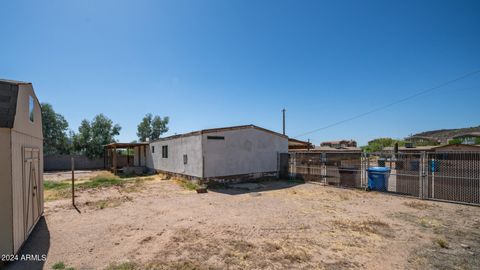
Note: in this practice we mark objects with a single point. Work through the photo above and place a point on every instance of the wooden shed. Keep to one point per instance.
(21, 164)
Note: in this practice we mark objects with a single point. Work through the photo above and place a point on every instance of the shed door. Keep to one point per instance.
(31, 188)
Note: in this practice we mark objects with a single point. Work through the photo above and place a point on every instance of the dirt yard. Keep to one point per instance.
(159, 224)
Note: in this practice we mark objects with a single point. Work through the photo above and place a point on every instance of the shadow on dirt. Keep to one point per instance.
(253, 187)
(35, 250)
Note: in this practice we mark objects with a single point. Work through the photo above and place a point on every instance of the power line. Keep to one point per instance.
(469, 74)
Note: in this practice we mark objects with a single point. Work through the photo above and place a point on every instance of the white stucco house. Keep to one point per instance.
(230, 153)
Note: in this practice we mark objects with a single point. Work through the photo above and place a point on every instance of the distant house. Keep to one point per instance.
(339, 144)
(436, 148)
(294, 144)
(468, 138)
(421, 141)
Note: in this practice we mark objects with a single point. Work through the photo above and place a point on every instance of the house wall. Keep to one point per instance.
(177, 147)
(6, 224)
(243, 151)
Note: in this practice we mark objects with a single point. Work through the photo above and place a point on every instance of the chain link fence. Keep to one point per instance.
(444, 176)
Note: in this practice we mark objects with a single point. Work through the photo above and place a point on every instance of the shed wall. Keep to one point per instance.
(177, 147)
(25, 133)
(243, 151)
(19, 142)
(6, 223)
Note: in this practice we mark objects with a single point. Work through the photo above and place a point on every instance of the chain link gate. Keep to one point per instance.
(443, 176)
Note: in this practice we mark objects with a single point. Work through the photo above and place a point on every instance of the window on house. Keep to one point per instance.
(185, 159)
(31, 107)
(153, 149)
(215, 138)
(165, 151)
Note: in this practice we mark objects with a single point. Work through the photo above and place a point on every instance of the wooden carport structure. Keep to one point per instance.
(110, 156)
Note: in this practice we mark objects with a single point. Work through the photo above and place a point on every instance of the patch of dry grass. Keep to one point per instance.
(62, 190)
(109, 202)
(417, 205)
(428, 222)
(190, 249)
(442, 243)
(344, 196)
(369, 226)
(186, 184)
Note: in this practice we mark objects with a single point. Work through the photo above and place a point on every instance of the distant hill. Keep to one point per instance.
(444, 134)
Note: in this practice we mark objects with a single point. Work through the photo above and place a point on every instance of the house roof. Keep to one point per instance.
(421, 137)
(321, 149)
(8, 102)
(292, 141)
(125, 145)
(432, 148)
(406, 149)
(461, 146)
(470, 134)
(213, 130)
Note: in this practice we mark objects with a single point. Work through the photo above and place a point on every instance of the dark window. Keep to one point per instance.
(165, 151)
(153, 149)
(185, 159)
(215, 138)
(31, 107)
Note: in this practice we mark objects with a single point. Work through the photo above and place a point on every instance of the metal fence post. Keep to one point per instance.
(422, 176)
(366, 170)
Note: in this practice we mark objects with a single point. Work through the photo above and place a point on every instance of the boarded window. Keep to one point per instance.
(165, 151)
(153, 149)
(31, 107)
(215, 138)
(185, 159)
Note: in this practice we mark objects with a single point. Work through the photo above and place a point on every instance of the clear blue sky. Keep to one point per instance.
(220, 63)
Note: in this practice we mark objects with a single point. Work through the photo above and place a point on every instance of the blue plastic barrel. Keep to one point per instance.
(378, 178)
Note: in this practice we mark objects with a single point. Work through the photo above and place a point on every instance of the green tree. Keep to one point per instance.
(55, 128)
(152, 127)
(93, 135)
(455, 141)
(380, 143)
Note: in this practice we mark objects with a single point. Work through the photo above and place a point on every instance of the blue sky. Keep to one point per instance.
(220, 63)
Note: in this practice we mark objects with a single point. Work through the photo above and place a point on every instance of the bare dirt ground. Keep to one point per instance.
(282, 225)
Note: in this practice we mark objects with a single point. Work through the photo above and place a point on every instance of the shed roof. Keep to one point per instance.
(8, 102)
(13, 82)
(213, 130)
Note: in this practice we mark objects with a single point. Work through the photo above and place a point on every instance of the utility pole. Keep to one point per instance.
(283, 112)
